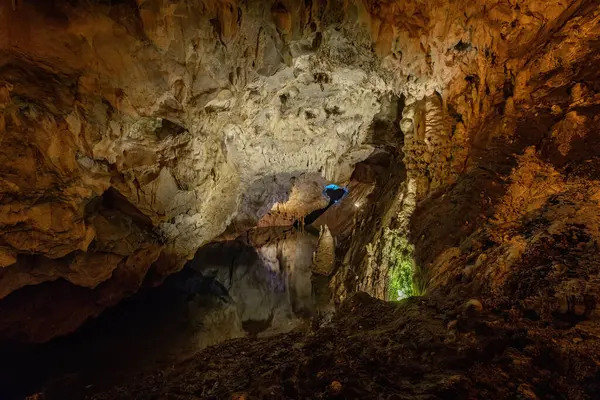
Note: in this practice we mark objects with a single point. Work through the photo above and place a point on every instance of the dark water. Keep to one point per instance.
(128, 337)
(228, 290)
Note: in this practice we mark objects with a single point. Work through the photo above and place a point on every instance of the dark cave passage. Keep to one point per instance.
(334, 193)
(138, 333)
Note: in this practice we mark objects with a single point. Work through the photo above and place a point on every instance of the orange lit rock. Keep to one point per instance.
(200, 115)
(335, 387)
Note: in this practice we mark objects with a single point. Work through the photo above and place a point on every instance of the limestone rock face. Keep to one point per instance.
(497, 110)
(180, 118)
(134, 132)
(324, 256)
(151, 125)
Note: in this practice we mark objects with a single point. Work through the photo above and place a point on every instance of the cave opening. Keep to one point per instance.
(334, 193)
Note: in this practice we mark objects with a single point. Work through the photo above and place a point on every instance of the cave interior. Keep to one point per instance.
(285, 199)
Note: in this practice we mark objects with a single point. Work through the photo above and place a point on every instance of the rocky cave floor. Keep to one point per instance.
(533, 337)
(444, 345)
(419, 348)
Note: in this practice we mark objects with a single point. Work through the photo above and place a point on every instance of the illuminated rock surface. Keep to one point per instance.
(135, 132)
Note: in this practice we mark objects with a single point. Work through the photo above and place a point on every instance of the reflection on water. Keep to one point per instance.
(268, 287)
(231, 289)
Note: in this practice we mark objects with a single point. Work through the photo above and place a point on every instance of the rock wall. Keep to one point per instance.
(489, 225)
(498, 133)
(142, 130)
(185, 118)
(188, 116)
